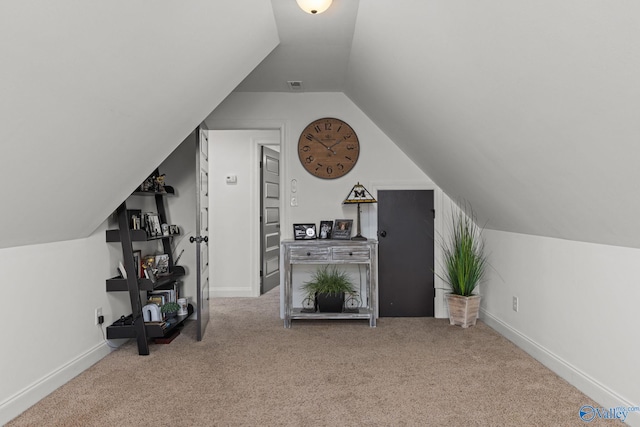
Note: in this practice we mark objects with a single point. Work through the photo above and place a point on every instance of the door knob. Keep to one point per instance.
(382, 233)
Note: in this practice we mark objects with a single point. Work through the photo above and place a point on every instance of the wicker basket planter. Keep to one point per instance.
(463, 311)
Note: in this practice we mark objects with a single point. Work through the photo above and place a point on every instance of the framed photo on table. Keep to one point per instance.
(304, 231)
(325, 229)
(342, 229)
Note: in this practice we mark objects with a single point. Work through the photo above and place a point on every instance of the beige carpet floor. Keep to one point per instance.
(250, 371)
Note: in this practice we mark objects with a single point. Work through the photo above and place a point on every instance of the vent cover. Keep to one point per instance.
(295, 86)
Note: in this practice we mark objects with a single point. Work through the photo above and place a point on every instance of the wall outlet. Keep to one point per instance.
(98, 315)
(515, 304)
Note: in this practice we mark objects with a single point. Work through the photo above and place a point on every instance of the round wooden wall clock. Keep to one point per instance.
(328, 148)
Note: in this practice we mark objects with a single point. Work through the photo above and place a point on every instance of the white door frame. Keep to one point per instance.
(254, 177)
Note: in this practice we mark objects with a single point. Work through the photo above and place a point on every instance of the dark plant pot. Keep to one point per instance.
(330, 303)
(170, 315)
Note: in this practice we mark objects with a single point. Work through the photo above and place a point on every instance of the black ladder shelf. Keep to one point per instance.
(134, 326)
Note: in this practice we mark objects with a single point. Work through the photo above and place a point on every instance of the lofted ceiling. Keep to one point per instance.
(95, 95)
(313, 49)
(527, 110)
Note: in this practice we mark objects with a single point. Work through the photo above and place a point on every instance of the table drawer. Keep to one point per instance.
(310, 254)
(346, 254)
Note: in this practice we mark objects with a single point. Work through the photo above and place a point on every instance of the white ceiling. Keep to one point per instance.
(96, 94)
(527, 110)
(313, 49)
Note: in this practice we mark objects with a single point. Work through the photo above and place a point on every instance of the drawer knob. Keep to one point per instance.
(350, 253)
(308, 253)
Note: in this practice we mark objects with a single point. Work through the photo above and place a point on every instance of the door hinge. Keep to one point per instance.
(434, 213)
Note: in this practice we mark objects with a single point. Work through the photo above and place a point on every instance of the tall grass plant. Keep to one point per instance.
(465, 260)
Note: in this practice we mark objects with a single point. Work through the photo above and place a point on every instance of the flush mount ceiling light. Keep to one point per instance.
(314, 7)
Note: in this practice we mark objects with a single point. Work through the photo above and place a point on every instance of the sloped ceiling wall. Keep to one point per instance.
(528, 110)
(94, 95)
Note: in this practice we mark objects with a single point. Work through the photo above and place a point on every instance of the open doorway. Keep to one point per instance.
(234, 206)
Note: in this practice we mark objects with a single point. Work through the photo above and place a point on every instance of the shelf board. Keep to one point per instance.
(364, 313)
(136, 236)
(118, 284)
(168, 191)
(152, 329)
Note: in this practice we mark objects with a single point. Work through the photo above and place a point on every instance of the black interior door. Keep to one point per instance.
(405, 253)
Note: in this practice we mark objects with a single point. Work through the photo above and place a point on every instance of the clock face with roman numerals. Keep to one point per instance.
(328, 148)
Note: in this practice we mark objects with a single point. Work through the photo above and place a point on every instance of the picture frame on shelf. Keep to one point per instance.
(304, 231)
(326, 227)
(342, 229)
(162, 264)
(154, 228)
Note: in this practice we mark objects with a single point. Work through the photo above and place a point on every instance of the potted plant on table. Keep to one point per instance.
(464, 266)
(327, 287)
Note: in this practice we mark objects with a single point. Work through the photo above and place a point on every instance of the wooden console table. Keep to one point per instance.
(324, 252)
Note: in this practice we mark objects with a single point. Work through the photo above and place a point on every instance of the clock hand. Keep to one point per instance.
(323, 144)
(336, 143)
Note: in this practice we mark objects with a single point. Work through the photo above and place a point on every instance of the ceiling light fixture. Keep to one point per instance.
(314, 7)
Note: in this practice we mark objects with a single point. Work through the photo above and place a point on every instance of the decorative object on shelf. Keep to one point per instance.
(151, 313)
(149, 261)
(135, 218)
(328, 286)
(304, 231)
(325, 229)
(314, 7)
(161, 264)
(184, 307)
(122, 270)
(137, 262)
(170, 309)
(154, 183)
(464, 267)
(328, 148)
(359, 194)
(352, 302)
(149, 273)
(342, 229)
(309, 304)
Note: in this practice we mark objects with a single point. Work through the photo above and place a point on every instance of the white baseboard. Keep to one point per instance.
(32, 394)
(597, 391)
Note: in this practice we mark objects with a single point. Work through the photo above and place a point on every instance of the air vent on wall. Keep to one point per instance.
(295, 86)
